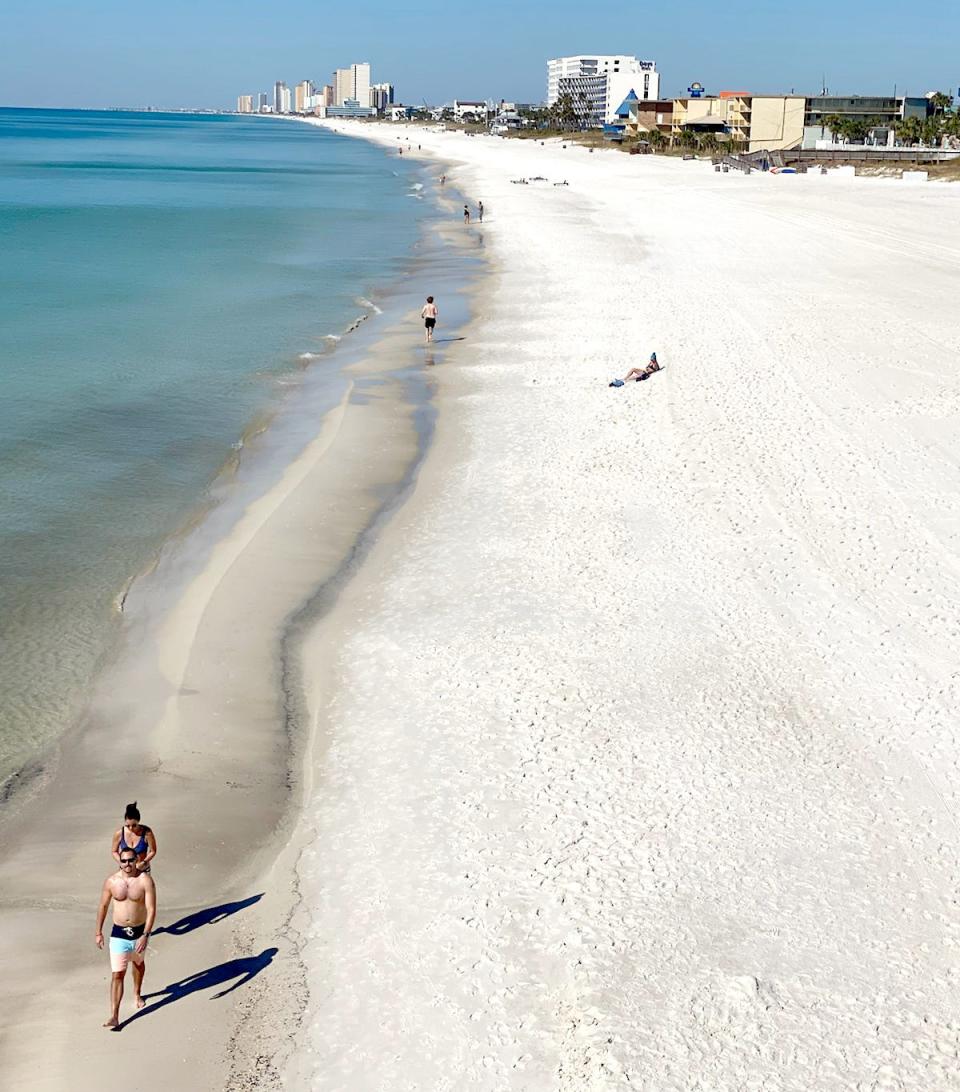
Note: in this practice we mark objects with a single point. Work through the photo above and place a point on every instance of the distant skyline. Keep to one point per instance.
(180, 54)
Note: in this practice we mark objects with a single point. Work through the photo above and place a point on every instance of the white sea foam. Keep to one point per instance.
(364, 302)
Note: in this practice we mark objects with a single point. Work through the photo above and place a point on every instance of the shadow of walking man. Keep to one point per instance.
(208, 916)
(241, 969)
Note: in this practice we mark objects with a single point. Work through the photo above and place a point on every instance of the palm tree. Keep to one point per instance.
(833, 122)
(687, 138)
(709, 143)
(940, 102)
(909, 131)
(563, 113)
(931, 131)
(655, 139)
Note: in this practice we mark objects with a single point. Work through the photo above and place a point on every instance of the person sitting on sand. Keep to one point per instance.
(640, 374)
(134, 898)
(136, 836)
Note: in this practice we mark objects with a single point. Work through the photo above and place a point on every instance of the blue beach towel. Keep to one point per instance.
(616, 383)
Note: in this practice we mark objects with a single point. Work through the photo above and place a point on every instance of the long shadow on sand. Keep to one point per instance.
(208, 916)
(241, 969)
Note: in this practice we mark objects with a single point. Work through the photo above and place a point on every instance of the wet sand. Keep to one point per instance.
(202, 719)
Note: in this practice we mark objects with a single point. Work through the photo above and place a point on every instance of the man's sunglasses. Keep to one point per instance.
(128, 860)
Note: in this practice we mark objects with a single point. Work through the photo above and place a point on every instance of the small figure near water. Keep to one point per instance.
(134, 899)
(429, 314)
(466, 214)
(136, 836)
(480, 211)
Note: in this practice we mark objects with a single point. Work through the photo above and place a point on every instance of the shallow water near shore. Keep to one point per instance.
(168, 283)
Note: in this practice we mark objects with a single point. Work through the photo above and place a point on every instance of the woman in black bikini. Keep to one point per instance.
(136, 836)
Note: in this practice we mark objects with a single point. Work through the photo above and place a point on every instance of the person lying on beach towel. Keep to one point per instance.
(639, 374)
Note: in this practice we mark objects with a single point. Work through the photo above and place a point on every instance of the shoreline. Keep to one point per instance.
(629, 749)
(169, 741)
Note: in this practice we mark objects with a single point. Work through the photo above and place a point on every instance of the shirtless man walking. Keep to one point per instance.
(134, 898)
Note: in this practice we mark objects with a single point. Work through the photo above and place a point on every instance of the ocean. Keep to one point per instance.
(166, 280)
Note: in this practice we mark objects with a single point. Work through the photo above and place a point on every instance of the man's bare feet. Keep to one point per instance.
(140, 1002)
(112, 1023)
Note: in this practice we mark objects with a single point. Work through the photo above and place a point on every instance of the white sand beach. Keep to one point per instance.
(634, 756)
(641, 765)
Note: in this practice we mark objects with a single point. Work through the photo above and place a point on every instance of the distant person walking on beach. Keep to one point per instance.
(134, 899)
(429, 315)
(466, 214)
(136, 836)
(480, 212)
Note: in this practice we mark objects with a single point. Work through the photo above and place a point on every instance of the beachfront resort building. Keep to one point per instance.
(381, 96)
(599, 84)
(884, 111)
(753, 122)
(281, 98)
(302, 94)
(245, 104)
(464, 109)
(352, 85)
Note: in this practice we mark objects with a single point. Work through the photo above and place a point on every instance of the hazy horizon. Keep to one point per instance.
(182, 57)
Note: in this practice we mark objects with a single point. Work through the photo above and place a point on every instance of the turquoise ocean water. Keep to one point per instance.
(161, 278)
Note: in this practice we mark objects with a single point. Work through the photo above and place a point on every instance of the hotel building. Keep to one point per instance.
(245, 104)
(753, 122)
(352, 84)
(599, 84)
(381, 96)
(301, 94)
(281, 98)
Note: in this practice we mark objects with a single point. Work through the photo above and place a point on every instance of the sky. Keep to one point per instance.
(203, 53)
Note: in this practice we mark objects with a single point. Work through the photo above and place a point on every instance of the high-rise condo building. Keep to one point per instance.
(328, 96)
(278, 94)
(598, 84)
(302, 92)
(352, 84)
(263, 102)
(245, 104)
(286, 100)
(361, 83)
(381, 96)
(342, 86)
